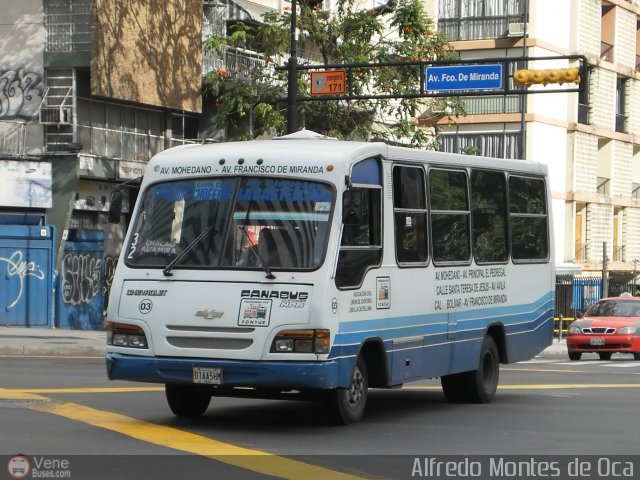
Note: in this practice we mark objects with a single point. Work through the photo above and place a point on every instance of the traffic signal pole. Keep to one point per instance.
(292, 82)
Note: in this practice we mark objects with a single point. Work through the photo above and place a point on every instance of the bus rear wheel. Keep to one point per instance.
(477, 386)
(346, 405)
(187, 401)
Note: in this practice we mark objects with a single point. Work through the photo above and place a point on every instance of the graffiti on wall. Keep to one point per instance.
(20, 94)
(18, 268)
(80, 277)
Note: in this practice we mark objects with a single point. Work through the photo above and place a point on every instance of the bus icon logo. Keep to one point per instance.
(18, 466)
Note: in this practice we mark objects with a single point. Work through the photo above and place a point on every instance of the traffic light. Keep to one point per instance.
(544, 77)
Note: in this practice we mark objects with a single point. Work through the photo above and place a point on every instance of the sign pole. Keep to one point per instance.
(292, 85)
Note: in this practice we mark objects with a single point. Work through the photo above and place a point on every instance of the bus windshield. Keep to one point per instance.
(232, 223)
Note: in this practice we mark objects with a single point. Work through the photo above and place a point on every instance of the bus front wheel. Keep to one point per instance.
(187, 401)
(477, 386)
(346, 405)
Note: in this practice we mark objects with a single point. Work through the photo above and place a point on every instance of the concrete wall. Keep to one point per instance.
(21, 69)
(148, 52)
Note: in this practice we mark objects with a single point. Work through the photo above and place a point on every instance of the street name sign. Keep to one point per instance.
(463, 77)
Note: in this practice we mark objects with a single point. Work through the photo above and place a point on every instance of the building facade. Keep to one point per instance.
(90, 90)
(590, 142)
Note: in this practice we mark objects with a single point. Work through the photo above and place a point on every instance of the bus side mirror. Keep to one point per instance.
(115, 206)
(352, 207)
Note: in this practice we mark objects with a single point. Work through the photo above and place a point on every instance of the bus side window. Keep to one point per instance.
(361, 243)
(410, 214)
(450, 215)
(528, 219)
(489, 210)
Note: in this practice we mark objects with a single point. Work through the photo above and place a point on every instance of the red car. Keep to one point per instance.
(611, 325)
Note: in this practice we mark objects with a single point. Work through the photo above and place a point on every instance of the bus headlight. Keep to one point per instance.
(123, 335)
(301, 341)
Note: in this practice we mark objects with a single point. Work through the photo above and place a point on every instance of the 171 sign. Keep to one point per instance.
(463, 77)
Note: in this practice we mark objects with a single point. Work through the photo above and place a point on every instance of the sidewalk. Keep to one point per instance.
(86, 343)
(52, 342)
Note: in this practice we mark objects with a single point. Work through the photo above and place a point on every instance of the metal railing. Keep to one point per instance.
(490, 104)
(603, 185)
(606, 51)
(581, 252)
(477, 28)
(68, 25)
(235, 61)
(13, 137)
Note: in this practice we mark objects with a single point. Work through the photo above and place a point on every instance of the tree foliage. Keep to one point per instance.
(398, 31)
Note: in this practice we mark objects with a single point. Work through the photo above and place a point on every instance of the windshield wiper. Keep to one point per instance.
(167, 270)
(253, 247)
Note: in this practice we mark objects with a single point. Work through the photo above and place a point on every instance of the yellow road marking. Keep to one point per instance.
(559, 386)
(248, 459)
(550, 370)
(94, 390)
(11, 394)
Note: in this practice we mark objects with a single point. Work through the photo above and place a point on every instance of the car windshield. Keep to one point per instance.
(614, 308)
(232, 223)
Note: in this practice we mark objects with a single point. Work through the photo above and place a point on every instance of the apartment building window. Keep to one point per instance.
(68, 24)
(621, 95)
(607, 32)
(478, 19)
(486, 144)
(584, 109)
(119, 131)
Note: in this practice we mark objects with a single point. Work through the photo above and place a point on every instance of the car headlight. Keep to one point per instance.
(573, 330)
(627, 331)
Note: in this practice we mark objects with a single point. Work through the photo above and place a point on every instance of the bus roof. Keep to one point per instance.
(306, 146)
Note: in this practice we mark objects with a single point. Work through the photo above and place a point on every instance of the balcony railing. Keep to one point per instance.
(606, 52)
(603, 186)
(581, 252)
(490, 104)
(236, 61)
(68, 25)
(584, 112)
(12, 138)
(477, 28)
(618, 253)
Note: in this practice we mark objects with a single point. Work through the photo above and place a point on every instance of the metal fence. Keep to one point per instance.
(574, 294)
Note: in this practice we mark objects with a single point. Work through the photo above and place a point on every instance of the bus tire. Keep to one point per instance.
(346, 405)
(187, 401)
(452, 388)
(476, 386)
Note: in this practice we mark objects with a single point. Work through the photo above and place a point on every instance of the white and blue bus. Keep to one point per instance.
(313, 267)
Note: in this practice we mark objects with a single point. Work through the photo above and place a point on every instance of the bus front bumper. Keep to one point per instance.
(235, 373)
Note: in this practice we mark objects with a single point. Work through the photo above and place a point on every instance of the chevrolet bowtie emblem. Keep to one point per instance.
(209, 314)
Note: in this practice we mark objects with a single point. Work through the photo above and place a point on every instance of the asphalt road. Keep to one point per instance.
(65, 408)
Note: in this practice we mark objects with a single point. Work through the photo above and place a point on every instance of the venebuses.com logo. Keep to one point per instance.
(21, 466)
(18, 466)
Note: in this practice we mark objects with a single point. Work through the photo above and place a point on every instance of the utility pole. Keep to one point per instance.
(292, 86)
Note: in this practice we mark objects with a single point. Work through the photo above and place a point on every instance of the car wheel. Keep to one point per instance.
(636, 356)
(605, 355)
(575, 356)
(346, 405)
(477, 386)
(188, 401)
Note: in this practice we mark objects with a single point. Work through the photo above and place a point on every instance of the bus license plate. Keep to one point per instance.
(596, 341)
(209, 376)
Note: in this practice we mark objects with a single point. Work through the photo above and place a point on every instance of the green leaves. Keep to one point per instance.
(397, 31)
